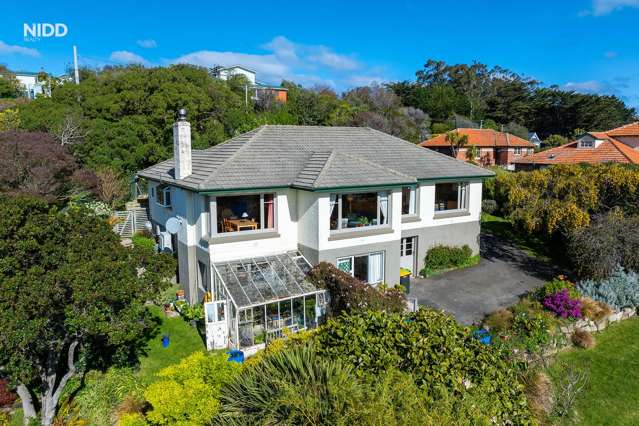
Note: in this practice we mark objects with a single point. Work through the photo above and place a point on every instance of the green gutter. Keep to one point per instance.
(241, 190)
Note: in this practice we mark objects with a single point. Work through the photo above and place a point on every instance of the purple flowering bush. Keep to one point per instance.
(562, 305)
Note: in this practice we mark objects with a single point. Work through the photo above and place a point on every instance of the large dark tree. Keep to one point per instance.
(71, 297)
(34, 163)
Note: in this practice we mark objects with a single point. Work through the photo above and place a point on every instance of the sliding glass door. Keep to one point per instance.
(368, 268)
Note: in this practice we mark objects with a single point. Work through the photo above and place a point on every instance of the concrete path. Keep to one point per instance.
(503, 275)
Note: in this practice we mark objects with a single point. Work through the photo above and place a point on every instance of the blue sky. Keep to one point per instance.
(585, 45)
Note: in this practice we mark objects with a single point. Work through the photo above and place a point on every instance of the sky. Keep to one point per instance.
(590, 46)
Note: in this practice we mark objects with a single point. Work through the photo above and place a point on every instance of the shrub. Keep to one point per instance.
(7, 397)
(556, 285)
(594, 310)
(190, 312)
(489, 206)
(618, 291)
(296, 386)
(499, 320)
(103, 391)
(188, 392)
(531, 331)
(132, 419)
(562, 305)
(442, 357)
(348, 294)
(443, 257)
(611, 240)
(583, 339)
(142, 241)
(539, 391)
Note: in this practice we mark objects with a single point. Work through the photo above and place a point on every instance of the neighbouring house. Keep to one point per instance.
(258, 90)
(620, 145)
(32, 85)
(535, 139)
(493, 148)
(249, 217)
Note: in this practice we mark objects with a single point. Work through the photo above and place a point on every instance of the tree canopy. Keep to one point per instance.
(71, 297)
(505, 97)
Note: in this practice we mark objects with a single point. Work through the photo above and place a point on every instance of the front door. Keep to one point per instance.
(407, 254)
(216, 325)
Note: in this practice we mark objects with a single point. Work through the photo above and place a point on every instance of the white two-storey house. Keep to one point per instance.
(256, 211)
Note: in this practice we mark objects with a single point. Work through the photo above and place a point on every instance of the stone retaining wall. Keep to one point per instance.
(595, 326)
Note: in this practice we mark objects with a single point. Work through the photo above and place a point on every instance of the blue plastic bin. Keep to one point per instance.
(235, 355)
(483, 336)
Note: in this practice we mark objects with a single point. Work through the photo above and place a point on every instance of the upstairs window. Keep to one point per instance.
(163, 193)
(409, 200)
(240, 213)
(451, 196)
(518, 151)
(358, 210)
(587, 143)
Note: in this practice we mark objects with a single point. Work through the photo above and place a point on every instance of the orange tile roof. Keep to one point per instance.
(631, 129)
(481, 138)
(610, 150)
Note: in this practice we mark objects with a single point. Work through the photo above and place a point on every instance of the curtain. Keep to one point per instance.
(383, 208)
(270, 210)
(333, 203)
(375, 268)
(413, 196)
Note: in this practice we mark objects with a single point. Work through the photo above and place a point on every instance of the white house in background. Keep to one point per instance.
(31, 84)
(253, 213)
(258, 89)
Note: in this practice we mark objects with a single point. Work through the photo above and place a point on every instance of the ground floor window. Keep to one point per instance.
(368, 267)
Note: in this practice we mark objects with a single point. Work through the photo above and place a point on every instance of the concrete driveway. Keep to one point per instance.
(503, 275)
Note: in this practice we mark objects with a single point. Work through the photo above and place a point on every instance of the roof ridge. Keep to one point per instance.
(232, 156)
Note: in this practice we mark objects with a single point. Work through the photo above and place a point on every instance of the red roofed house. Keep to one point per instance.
(620, 145)
(494, 148)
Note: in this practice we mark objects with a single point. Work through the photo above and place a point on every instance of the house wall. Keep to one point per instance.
(302, 219)
(240, 246)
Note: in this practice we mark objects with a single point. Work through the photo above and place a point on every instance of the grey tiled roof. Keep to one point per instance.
(313, 157)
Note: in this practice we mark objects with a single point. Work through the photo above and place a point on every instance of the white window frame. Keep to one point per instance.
(352, 260)
(587, 143)
(213, 215)
(518, 150)
(338, 204)
(463, 189)
(165, 190)
(412, 204)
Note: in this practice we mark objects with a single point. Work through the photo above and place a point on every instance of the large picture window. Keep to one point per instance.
(238, 213)
(359, 210)
(408, 200)
(451, 196)
(368, 268)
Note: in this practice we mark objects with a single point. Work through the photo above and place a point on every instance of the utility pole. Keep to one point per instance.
(75, 64)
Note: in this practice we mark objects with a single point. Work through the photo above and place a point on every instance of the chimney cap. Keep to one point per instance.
(182, 114)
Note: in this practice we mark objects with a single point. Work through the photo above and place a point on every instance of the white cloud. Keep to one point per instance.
(605, 7)
(266, 66)
(284, 59)
(595, 87)
(147, 43)
(126, 57)
(11, 49)
(365, 80)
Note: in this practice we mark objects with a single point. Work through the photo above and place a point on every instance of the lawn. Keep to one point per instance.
(184, 340)
(612, 394)
(530, 244)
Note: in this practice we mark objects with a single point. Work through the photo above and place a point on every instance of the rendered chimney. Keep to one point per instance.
(182, 145)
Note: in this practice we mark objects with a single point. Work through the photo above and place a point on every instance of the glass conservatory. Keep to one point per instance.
(261, 298)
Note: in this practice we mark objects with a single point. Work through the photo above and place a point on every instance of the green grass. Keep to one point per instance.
(184, 340)
(612, 394)
(529, 244)
(429, 273)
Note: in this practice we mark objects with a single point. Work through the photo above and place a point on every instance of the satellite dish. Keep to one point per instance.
(173, 225)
